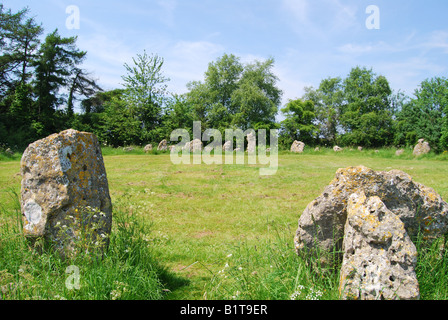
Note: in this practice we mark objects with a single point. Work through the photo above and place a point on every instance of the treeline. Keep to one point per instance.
(41, 81)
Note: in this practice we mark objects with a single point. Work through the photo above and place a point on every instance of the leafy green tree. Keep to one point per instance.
(119, 126)
(432, 101)
(145, 92)
(58, 56)
(236, 95)
(366, 116)
(328, 100)
(257, 97)
(298, 124)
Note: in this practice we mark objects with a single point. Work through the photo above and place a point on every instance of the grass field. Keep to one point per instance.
(206, 231)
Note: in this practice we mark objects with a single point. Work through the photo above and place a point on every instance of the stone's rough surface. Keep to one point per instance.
(337, 149)
(163, 145)
(251, 143)
(321, 225)
(297, 147)
(65, 189)
(148, 148)
(422, 147)
(379, 257)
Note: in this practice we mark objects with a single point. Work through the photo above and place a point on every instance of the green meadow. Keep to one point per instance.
(203, 231)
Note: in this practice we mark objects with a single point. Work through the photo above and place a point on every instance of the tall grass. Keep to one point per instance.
(270, 270)
(127, 270)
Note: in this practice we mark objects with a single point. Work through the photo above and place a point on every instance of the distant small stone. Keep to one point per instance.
(337, 149)
(421, 148)
(148, 148)
(399, 152)
(227, 146)
(360, 148)
(163, 145)
(297, 146)
(193, 146)
(251, 143)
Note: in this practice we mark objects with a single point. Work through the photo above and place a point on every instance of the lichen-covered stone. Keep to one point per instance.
(194, 146)
(297, 146)
(422, 147)
(148, 148)
(379, 257)
(337, 149)
(163, 145)
(64, 193)
(321, 225)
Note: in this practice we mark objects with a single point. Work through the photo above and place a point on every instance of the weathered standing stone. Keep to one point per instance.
(360, 148)
(399, 152)
(379, 257)
(297, 147)
(227, 146)
(148, 148)
(321, 225)
(65, 192)
(193, 146)
(163, 145)
(422, 147)
(251, 143)
(337, 149)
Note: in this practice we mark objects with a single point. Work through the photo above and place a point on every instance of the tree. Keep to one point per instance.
(19, 41)
(145, 91)
(328, 100)
(82, 84)
(298, 124)
(366, 116)
(432, 100)
(57, 58)
(236, 95)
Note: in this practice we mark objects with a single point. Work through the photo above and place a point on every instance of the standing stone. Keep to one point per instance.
(422, 147)
(227, 146)
(251, 143)
(379, 257)
(399, 152)
(148, 148)
(162, 145)
(337, 149)
(193, 146)
(321, 225)
(360, 149)
(65, 194)
(297, 146)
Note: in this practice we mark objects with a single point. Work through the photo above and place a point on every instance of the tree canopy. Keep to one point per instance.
(45, 89)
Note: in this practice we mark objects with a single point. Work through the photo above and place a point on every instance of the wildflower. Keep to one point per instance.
(228, 256)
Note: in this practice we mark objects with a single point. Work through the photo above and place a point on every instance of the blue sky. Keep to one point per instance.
(309, 39)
